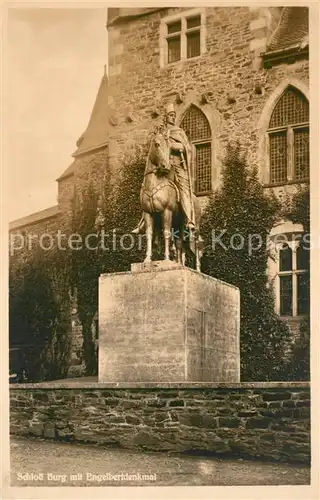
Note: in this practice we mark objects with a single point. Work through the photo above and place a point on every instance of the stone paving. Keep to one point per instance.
(46, 463)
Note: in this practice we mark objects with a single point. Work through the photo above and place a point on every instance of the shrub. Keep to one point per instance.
(298, 365)
(86, 271)
(39, 315)
(239, 210)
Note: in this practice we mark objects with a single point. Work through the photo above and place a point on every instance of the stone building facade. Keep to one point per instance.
(233, 73)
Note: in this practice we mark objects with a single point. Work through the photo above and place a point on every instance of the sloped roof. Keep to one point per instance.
(69, 171)
(292, 30)
(47, 213)
(120, 15)
(96, 133)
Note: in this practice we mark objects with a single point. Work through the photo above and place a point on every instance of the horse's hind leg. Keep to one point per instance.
(167, 227)
(183, 254)
(180, 248)
(149, 233)
(177, 249)
(182, 243)
(179, 244)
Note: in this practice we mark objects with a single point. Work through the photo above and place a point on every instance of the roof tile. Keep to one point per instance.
(96, 133)
(292, 29)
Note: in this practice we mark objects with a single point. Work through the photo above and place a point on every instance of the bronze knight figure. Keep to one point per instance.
(167, 191)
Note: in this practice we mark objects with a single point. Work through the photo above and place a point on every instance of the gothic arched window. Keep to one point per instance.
(289, 138)
(197, 128)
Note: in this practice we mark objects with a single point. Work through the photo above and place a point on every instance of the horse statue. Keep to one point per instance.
(162, 211)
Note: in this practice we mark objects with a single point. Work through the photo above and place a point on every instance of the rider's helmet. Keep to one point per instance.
(170, 108)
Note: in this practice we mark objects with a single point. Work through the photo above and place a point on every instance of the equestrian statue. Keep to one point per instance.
(167, 199)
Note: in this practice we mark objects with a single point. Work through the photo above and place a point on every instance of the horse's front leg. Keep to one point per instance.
(167, 228)
(183, 255)
(149, 233)
(198, 262)
(199, 252)
(183, 245)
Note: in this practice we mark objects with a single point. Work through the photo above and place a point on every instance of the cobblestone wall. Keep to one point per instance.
(264, 420)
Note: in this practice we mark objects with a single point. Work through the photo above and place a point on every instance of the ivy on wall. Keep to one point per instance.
(40, 313)
(239, 210)
(86, 270)
(109, 212)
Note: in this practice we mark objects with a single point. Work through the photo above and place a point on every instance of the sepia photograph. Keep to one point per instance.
(160, 244)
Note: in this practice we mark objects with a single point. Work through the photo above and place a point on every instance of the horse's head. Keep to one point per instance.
(159, 153)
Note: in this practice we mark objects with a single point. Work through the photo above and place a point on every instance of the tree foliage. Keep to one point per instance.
(298, 210)
(243, 215)
(39, 313)
(86, 269)
(108, 213)
(122, 213)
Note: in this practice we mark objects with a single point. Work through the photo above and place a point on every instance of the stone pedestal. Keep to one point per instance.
(163, 322)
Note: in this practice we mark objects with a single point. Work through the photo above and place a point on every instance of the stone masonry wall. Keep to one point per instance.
(258, 420)
(227, 74)
(230, 75)
(90, 167)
